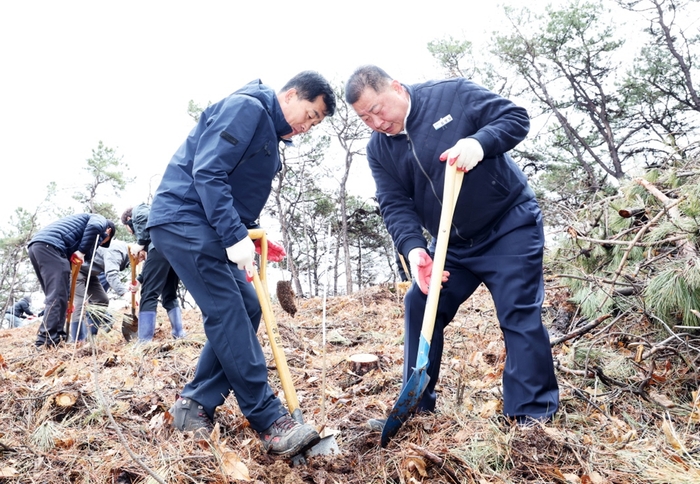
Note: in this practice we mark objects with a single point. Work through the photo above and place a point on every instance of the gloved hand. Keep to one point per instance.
(242, 254)
(132, 288)
(275, 251)
(77, 258)
(422, 268)
(467, 152)
(134, 249)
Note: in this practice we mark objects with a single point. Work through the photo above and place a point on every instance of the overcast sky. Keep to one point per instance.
(77, 72)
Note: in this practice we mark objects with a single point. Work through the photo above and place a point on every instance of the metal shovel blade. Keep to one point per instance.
(413, 390)
(410, 394)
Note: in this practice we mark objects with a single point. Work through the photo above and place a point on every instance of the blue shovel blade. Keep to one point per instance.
(410, 395)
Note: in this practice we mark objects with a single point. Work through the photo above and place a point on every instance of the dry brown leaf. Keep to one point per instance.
(8, 472)
(234, 467)
(415, 463)
(671, 437)
(662, 399)
(55, 370)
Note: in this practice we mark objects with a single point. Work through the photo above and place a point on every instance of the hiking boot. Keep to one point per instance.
(189, 415)
(286, 437)
(376, 424)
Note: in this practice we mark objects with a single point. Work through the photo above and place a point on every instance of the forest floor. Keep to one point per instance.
(95, 413)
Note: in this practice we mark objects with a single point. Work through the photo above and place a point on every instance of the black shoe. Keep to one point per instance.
(286, 437)
(189, 416)
(376, 424)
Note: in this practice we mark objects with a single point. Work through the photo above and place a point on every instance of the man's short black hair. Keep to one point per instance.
(310, 85)
(363, 77)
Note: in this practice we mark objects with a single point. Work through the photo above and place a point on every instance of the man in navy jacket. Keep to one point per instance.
(213, 190)
(70, 240)
(497, 235)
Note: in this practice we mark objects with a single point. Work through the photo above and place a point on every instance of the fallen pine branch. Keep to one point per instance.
(583, 330)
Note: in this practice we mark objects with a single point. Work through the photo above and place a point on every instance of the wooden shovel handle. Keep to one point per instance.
(453, 184)
(273, 332)
(74, 271)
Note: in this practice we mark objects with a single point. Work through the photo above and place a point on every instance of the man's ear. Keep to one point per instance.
(289, 93)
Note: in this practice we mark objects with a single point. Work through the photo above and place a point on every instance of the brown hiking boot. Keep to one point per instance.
(189, 415)
(286, 437)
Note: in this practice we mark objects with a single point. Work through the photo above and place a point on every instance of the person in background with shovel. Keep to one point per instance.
(496, 234)
(158, 279)
(110, 261)
(212, 192)
(70, 240)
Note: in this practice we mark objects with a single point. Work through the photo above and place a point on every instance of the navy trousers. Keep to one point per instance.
(232, 358)
(508, 261)
(158, 279)
(52, 268)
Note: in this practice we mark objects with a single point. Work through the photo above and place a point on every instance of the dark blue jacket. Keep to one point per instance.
(75, 232)
(222, 174)
(409, 174)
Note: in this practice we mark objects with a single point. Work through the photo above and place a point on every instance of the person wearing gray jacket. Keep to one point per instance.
(110, 261)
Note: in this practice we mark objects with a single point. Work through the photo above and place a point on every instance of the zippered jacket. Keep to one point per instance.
(222, 173)
(409, 175)
(75, 232)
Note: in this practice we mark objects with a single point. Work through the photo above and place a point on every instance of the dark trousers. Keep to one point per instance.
(158, 279)
(232, 358)
(52, 268)
(509, 262)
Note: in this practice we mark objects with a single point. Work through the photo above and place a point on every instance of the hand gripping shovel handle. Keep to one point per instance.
(413, 389)
(74, 271)
(272, 330)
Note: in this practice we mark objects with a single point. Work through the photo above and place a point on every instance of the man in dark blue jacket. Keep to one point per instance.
(70, 240)
(213, 190)
(497, 235)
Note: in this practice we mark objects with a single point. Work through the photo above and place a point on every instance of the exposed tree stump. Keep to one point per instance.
(362, 363)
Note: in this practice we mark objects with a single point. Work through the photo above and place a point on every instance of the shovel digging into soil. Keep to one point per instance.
(413, 390)
(130, 322)
(327, 445)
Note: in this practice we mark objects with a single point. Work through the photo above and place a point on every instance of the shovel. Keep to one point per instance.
(327, 445)
(74, 271)
(413, 390)
(130, 322)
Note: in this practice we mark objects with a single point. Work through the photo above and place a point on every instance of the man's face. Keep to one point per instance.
(301, 114)
(383, 111)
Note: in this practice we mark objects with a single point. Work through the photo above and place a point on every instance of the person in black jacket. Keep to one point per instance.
(157, 280)
(16, 316)
(497, 235)
(212, 192)
(70, 240)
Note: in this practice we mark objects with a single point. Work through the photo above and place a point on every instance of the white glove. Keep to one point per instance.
(242, 254)
(467, 152)
(134, 249)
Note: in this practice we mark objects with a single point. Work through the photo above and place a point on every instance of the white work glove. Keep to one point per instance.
(134, 249)
(467, 152)
(242, 253)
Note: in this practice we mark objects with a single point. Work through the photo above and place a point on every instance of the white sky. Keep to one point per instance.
(77, 72)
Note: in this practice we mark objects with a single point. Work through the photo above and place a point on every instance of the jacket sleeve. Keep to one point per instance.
(395, 204)
(25, 308)
(500, 123)
(221, 148)
(113, 260)
(94, 233)
(139, 221)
